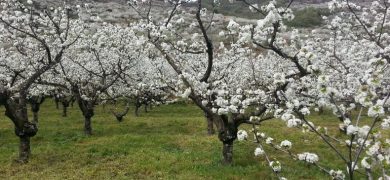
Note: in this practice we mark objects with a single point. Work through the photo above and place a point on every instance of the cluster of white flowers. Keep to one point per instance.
(366, 163)
(259, 151)
(305, 111)
(269, 140)
(337, 174)
(279, 78)
(376, 110)
(308, 157)
(242, 135)
(294, 123)
(186, 93)
(276, 166)
(359, 131)
(286, 144)
(386, 123)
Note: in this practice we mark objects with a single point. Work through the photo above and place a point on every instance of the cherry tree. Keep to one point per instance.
(33, 41)
(146, 86)
(341, 69)
(292, 77)
(203, 71)
(96, 62)
(66, 98)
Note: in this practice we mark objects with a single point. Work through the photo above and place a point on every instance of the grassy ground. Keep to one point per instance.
(170, 142)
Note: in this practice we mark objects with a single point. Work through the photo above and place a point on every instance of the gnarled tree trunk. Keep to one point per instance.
(227, 129)
(210, 123)
(87, 126)
(119, 115)
(64, 111)
(36, 102)
(57, 101)
(35, 118)
(16, 110)
(87, 108)
(65, 105)
(24, 149)
(227, 152)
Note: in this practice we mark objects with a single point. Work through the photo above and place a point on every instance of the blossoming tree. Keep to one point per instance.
(345, 73)
(97, 61)
(33, 41)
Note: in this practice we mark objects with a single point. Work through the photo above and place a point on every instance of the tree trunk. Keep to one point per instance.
(72, 102)
(87, 126)
(136, 111)
(35, 118)
(227, 152)
(227, 134)
(24, 149)
(119, 118)
(87, 108)
(56, 100)
(16, 110)
(210, 124)
(35, 107)
(65, 104)
(64, 111)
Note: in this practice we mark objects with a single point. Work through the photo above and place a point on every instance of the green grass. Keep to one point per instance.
(170, 142)
(308, 17)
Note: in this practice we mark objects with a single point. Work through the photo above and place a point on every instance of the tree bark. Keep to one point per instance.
(57, 101)
(35, 118)
(36, 102)
(227, 134)
(210, 124)
(227, 152)
(16, 110)
(64, 111)
(87, 108)
(65, 101)
(87, 126)
(24, 149)
(119, 118)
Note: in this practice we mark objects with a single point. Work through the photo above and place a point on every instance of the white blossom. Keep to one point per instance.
(365, 163)
(286, 144)
(269, 140)
(242, 135)
(276, 166)
(308, 157)
(259, 151)
(337, 174)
